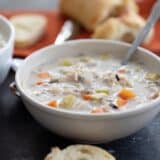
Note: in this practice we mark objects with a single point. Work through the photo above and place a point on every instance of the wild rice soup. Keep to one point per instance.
(93, 84)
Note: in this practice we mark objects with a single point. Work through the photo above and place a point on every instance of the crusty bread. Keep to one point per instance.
(91, 13)
(88, 13)
(126, 6)
(130, 5)
(29, 29)
(79, 152)
(123, 28)
(108, 19)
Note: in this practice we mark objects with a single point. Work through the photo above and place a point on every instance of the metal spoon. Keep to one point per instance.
(68, 30)
(153, 18)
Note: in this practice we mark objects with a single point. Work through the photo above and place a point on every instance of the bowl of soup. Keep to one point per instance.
(81, 91)
(7, 35)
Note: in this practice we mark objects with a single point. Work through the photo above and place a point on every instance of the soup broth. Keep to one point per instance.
(97, 84)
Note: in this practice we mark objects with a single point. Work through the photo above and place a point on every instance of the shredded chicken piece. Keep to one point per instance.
(109, 78)
(155, 95)
(124, 81)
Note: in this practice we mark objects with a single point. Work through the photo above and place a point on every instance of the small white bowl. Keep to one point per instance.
(85, 126)
(7, 30)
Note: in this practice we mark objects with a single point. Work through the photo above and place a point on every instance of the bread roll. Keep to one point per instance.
(88, 13)
(79, 152)
(130, 5)
(124, 28)
(126, 6)
(29, 29)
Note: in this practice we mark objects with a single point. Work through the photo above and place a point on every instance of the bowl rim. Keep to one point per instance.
(11, 36)
(134, 111)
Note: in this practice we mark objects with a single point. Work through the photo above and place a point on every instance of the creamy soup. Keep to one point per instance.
(2, 41)
(93, 84)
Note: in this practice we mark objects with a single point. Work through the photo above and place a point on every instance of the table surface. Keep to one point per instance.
(22, 138)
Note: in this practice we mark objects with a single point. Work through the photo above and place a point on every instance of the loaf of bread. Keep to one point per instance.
(91, 13)
(124, 28)
(88, 13)
(29, 29)
(79, 152)
(107, 19)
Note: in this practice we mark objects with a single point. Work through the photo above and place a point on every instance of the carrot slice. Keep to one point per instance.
(121, 102)
(53, 104)
(127, 94)
(39, 83)
(98, 110)
(86, 97)
(43, 75)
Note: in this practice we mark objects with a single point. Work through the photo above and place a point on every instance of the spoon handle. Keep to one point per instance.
(154, 16)
(66, 32)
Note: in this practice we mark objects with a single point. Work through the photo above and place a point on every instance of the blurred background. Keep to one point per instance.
(28, 4)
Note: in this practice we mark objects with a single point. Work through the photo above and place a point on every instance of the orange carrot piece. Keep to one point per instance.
(121, 102)
(127, 94)
(44, 75)
(39, 83)
(86, 97)
(53, 104)
(98, 110)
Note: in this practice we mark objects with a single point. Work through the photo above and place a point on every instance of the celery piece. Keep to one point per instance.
(66, 62)
(98, 96)
(106, 91)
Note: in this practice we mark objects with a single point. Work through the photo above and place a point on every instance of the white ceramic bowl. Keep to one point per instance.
(85, 126)
(7, 30)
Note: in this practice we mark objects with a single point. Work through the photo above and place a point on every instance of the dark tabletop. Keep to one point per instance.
(22, 138)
